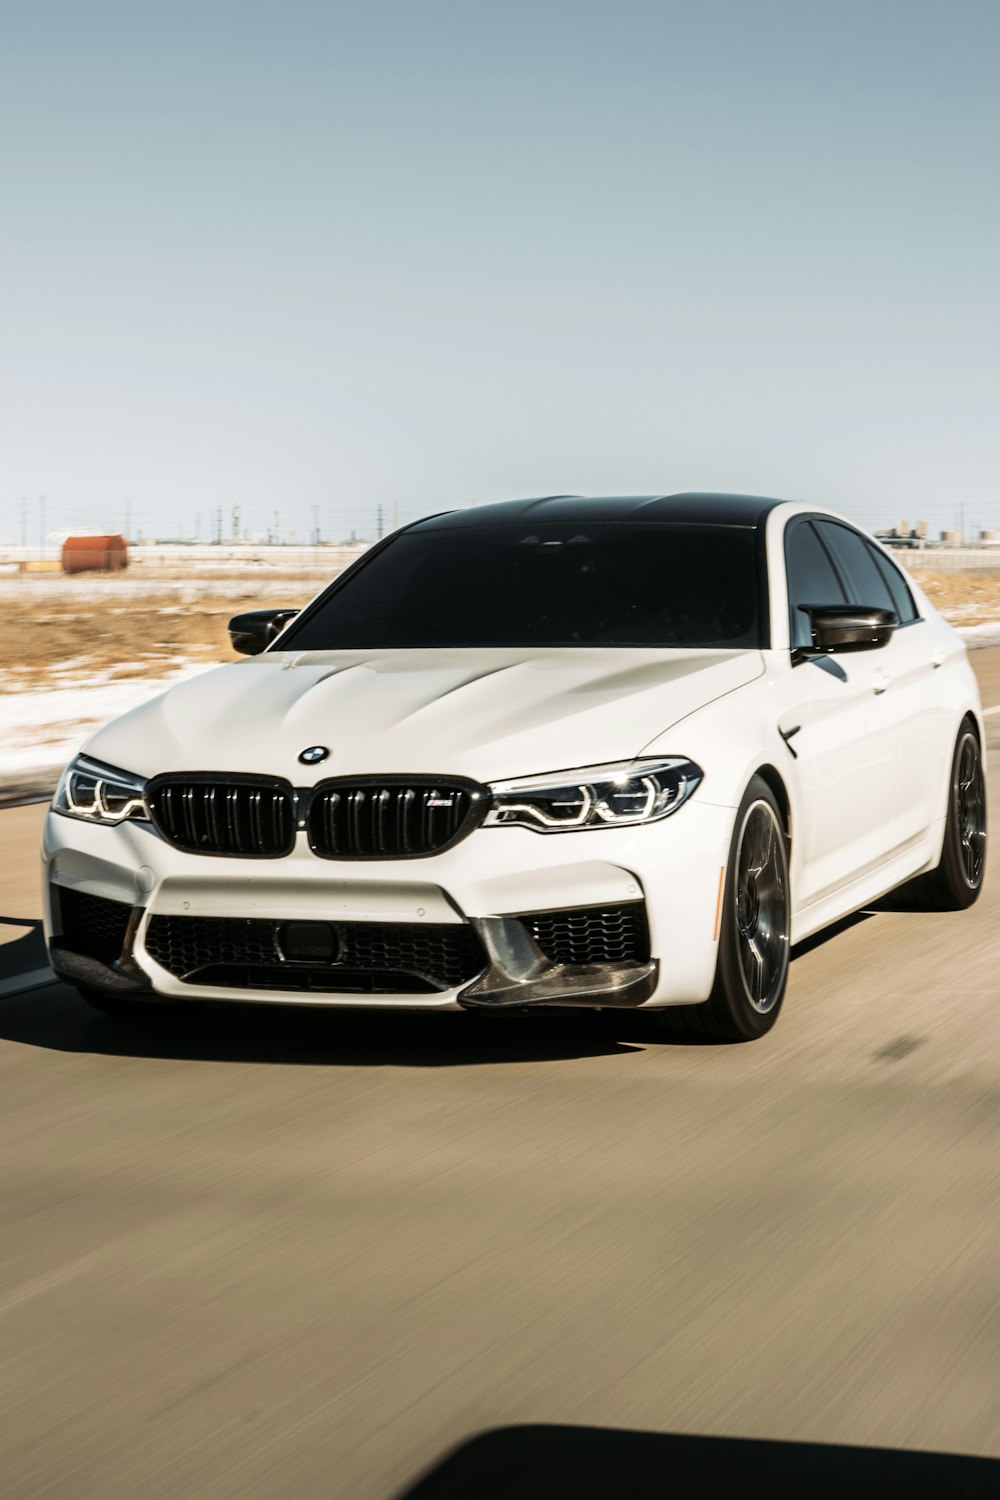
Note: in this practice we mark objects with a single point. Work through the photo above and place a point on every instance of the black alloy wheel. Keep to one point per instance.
(762, 907)
(958, 879)
(969, 792)
(754, 933)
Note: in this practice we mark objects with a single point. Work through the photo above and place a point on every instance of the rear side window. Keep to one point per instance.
(865, 582)
(812, 579)
(902, 599)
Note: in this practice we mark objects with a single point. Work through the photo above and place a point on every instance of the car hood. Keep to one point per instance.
(487, 714)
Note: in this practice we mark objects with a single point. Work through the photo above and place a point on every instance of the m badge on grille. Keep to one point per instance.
(314, 755)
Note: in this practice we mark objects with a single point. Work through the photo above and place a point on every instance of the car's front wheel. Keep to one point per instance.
(754, 929)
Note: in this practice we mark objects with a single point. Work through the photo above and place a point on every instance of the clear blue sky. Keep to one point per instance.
(420, 254)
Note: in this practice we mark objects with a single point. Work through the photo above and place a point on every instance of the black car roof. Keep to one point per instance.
(709, 509)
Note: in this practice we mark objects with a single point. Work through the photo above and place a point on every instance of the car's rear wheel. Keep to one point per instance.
(958, 878)
(754, 931)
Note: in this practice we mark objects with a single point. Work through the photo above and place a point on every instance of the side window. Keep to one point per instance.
(902, 599)
(811, 579)
(865, 583)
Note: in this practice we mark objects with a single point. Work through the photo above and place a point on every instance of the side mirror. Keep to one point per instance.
(846, 627)
(253, 632)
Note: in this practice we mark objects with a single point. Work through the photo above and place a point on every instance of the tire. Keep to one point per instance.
(957, 881)
(754, 933)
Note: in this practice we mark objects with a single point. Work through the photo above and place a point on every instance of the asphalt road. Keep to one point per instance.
(281, 1254)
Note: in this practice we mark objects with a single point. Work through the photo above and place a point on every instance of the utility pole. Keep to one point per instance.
(277, 528)
(236, 523)
(41, 525)
(379, 527)
(315, 525)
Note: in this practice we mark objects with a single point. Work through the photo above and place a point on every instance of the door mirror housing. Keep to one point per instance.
(837, 628)
(252, 632)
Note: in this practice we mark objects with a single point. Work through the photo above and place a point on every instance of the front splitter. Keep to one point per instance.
(520, 974)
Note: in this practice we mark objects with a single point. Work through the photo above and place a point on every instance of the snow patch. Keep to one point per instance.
(47, 728)
(987, 633)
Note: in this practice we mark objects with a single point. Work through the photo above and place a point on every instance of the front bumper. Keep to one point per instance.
(490, 884)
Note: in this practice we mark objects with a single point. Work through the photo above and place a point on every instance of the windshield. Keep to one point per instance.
(566, 584)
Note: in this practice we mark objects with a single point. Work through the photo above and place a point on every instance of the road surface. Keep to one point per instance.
(281, 1254)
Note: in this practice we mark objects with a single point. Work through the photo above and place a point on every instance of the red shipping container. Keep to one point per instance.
(94, 554)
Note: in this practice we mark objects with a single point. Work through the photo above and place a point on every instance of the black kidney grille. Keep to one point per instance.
(369, 956)
(93, 925)
(389, 820)
(592, 934)
(254, 820)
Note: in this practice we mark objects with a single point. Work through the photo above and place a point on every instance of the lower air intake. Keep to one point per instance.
(341, 957)
(92, 925)
(592, 934)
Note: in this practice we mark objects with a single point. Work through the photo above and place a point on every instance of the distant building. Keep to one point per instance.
(94, 554)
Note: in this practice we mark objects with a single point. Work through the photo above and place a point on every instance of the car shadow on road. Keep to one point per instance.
(899, 902)
(592, 1463)
(827, 935)
(56, 1019)
(23, 953)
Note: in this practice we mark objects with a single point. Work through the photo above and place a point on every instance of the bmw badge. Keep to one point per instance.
(314, 755)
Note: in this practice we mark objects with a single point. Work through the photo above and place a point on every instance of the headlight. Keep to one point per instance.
(100, 794)
(637, 791)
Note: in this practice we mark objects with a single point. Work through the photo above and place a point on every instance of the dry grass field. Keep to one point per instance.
(168, 609)
(962, 595)
(66, 634)
(64, 639)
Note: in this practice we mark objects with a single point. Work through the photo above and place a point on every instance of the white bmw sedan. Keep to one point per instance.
(586, 752)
